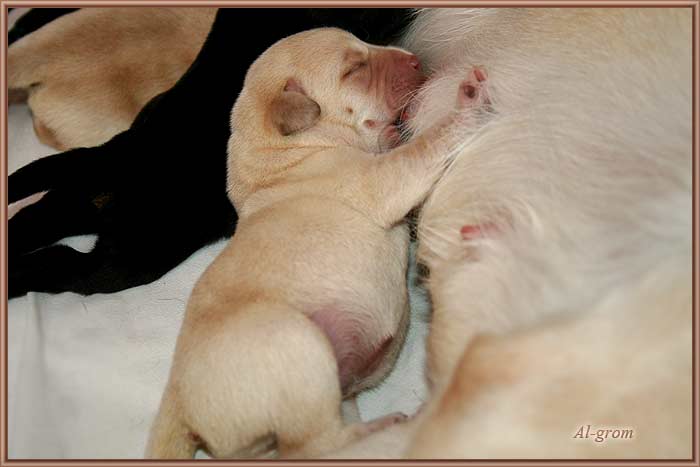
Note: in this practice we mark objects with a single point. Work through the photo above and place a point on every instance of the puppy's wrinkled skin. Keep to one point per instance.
(563, 232)
(308, 302)
(89, 73)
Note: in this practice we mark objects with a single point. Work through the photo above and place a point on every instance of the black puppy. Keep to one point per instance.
(155, 193)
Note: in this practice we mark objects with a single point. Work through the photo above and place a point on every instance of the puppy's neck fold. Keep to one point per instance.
(262, 169)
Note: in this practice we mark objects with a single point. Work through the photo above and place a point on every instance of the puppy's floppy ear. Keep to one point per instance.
(292, 110)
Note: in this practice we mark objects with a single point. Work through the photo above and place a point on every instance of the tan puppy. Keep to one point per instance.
(90, 72)
(308, 302)
(563, 231)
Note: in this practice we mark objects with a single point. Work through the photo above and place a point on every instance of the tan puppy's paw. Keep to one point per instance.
(472, 91)
(382, 423)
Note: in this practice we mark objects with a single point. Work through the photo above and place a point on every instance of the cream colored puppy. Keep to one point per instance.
(308, 302)
(87, 74)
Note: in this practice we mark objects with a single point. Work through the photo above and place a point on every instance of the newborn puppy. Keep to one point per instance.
(308, 301)
(88, 74)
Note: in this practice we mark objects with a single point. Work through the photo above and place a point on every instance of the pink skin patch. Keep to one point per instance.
(400, 74)
(356, 352)
(472, 93)
(472, 90)
(14, 208)
(395, 75)
(470, 232)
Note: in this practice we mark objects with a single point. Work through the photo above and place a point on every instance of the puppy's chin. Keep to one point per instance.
(398, 131)
(389, 138)
(409, 111)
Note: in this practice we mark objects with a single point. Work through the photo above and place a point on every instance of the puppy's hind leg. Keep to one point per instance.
(330, 441)
(170, 438)
(264, 374)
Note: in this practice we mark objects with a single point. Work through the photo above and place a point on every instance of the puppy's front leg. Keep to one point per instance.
(403, 178)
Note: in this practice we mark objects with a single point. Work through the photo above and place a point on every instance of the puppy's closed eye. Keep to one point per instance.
(357, 66)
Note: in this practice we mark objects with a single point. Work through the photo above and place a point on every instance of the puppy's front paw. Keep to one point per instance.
(472, 91)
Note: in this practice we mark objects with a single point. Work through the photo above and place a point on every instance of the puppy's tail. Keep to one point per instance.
(170, 438)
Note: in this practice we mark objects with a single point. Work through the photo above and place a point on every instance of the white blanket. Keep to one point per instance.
(85, 374)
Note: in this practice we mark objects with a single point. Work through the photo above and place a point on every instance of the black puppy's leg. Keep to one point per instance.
(60, 268)
(69, 168)
(105, 269)
(51, 269)
(55, 216)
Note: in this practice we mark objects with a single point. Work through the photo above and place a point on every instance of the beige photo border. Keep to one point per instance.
(694, 5)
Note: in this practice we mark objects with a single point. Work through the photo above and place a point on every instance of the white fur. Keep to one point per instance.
(584, 165)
